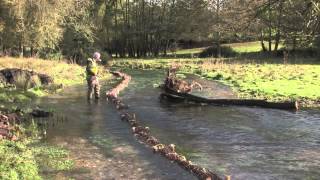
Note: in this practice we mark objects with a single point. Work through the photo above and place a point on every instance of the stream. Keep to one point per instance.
(246, 143)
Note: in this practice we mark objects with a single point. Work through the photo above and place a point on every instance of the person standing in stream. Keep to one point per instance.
(92, 76)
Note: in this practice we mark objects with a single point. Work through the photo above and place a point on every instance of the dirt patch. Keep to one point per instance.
(24, 78)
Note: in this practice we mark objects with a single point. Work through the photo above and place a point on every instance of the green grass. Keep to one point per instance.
(274, 82)
(269, 81)
(27, 158)
(250, 47)
(17, 161)
(189, 51)
(246, 47)
(53, 158)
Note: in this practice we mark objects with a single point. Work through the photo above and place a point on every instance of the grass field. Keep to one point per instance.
(246, 47)
(189, 51)
(275, 82)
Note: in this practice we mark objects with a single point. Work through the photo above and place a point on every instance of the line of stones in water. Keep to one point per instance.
(144, 135)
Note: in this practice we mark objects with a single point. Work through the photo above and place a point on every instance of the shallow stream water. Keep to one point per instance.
(246, 143)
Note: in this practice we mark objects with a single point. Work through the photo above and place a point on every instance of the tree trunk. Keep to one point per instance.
(264, 49)
(277, 40)
(24, 51)
(31, 51)
(270, 27)
(218, 32)
(278, 35)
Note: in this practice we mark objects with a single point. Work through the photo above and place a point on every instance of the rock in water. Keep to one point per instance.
(41, 113)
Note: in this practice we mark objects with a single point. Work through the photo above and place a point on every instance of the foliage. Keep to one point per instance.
(75, 29)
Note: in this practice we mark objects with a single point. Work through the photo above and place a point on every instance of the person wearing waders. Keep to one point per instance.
(92, 76)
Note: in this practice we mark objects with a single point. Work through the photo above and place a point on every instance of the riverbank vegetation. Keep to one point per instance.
(27, 157)
(63, 74)
(257, 81)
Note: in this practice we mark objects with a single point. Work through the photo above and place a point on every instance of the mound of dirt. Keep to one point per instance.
(24, 78)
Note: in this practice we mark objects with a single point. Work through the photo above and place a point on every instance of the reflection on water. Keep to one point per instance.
(97, 122)
(247, 143)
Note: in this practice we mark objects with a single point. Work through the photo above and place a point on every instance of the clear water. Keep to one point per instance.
(246, 143)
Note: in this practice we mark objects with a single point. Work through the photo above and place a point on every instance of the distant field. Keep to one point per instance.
(246, 47)
(189, 51)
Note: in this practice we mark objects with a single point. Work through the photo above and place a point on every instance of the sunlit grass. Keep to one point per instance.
(63, 73)
(249, 47)
(189, 51)
(245, 47)
(271, 81)
(274, 82)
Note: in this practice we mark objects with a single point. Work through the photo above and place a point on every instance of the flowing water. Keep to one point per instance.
(246, 143)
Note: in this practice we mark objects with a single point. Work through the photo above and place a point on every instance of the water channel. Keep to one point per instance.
(246, 143)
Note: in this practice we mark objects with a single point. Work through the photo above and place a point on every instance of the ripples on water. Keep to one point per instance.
(247, 143)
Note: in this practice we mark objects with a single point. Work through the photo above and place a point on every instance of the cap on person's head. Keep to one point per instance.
(97, 56)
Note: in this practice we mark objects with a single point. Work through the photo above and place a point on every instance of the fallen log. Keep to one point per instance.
(171, 94)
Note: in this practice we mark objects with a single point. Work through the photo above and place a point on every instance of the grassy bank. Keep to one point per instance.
(274, 82)
(27, 158)
(62, 73)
